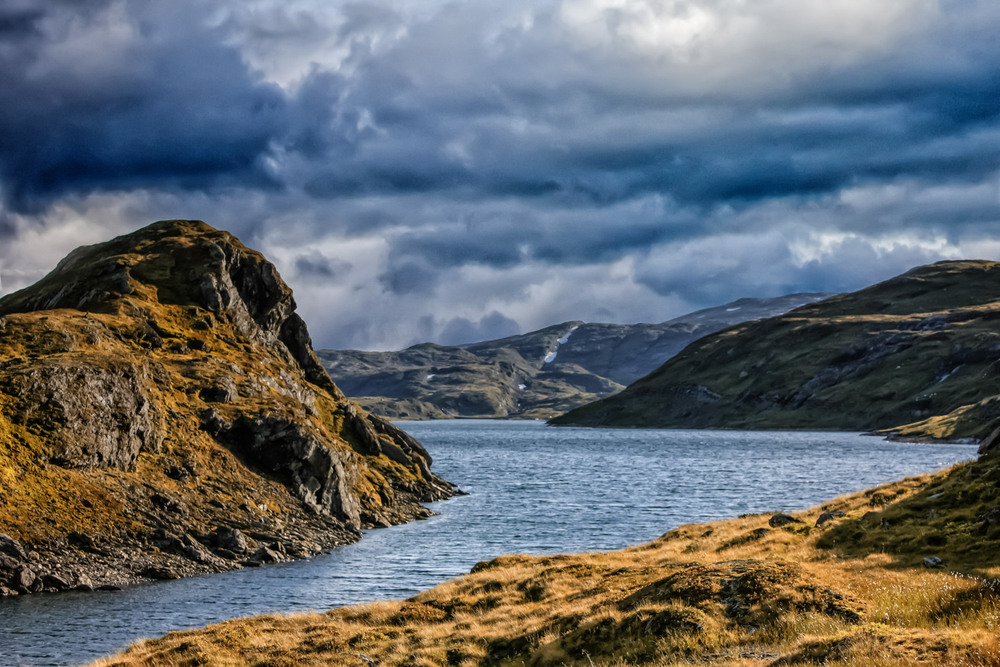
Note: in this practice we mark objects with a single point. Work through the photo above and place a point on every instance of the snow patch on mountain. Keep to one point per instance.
(551, 356)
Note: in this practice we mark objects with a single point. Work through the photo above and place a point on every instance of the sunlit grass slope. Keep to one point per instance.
(853, 590)
(916, 354)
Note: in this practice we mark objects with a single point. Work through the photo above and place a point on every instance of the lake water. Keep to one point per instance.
(532, 489)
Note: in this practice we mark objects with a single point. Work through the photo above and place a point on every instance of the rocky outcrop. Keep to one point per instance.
(534, 375)
(162, 413)
(314, 473)
(91, 415)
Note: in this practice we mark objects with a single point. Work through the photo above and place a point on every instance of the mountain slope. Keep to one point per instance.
(915, 354)
(533, 375)
(162, 413)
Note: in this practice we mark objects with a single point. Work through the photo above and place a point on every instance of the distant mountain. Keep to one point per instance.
(534, 375)
(916, 356)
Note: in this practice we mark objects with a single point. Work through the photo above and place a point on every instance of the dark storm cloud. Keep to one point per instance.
(701, 143)
(149, 102)
(19, 24)
(315, 265)
(180, 108)
(409, 278)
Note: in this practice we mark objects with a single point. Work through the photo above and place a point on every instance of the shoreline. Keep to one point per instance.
(821, 566)
(86, 563)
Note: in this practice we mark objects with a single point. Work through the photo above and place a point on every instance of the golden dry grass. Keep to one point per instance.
(732, 593)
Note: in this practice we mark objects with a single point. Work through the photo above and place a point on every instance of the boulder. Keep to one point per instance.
(265, 555)
(828, 516)
(230, 539)
(160, 573)
(83, 583)
(11, 547)
(933, 562)
(25, 581)
(193, 550)
(779, 520)
(53, 582)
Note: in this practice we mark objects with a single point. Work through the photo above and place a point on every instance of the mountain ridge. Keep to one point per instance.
(533, 375)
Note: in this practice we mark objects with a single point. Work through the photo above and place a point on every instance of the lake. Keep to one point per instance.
(532, 489)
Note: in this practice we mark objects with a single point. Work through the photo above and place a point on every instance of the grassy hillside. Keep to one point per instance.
(845, 583)
(915, 355)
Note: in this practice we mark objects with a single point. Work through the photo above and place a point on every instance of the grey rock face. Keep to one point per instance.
(315, 473)
(255, 298)
(95, 413)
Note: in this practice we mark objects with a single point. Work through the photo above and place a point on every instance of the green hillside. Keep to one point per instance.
(915, 355)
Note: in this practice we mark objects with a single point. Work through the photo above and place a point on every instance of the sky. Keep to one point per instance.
(423, 170)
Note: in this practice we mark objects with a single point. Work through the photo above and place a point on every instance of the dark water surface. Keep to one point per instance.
(533, 489)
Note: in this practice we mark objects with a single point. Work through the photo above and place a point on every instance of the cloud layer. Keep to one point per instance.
(445, 170)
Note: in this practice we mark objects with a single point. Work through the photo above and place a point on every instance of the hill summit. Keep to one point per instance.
(162, 413)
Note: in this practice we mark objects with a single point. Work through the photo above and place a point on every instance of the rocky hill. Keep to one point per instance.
(534, 375)
(162, 413)
(914, 356)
